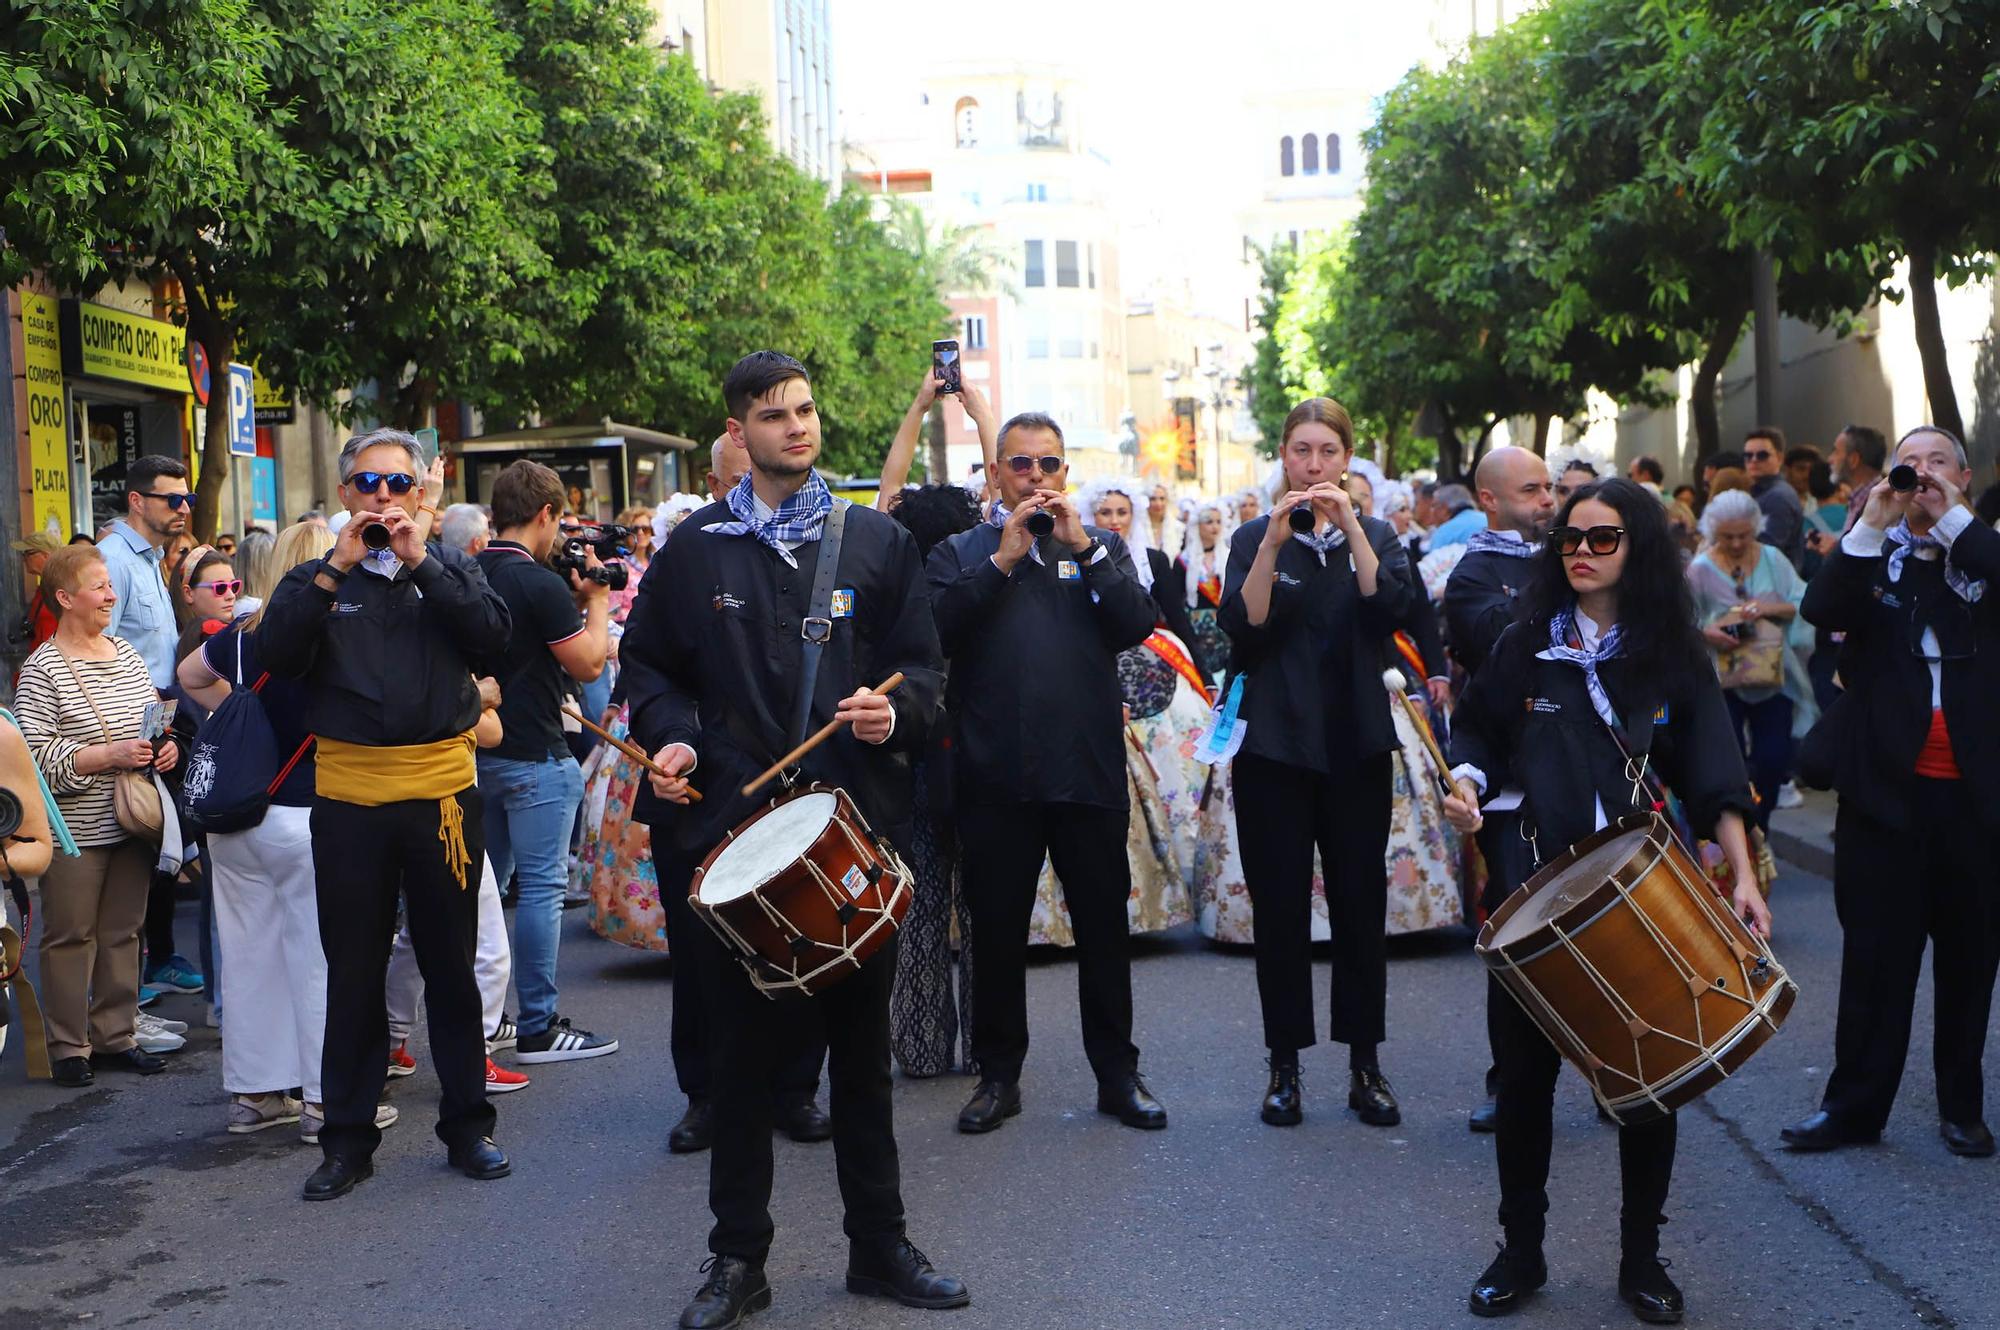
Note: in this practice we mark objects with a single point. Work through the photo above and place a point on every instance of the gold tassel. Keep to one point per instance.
(451, 830)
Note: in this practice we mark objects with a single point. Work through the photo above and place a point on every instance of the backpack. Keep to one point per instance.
(234, 767)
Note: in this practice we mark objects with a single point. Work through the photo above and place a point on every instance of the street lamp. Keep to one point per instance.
(1213, 373)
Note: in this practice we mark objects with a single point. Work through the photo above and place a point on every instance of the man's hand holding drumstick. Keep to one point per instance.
(871, 715)
(676, 760)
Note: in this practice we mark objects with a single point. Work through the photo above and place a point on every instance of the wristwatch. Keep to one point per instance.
(1088, 554)
(338, 575)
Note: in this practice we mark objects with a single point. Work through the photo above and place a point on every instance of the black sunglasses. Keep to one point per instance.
(173, 500)
(1021, 466)
(368, 482)
(1759, 456)
(1567, 540)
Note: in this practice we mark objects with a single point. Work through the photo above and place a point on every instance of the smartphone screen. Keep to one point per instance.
(944, 365)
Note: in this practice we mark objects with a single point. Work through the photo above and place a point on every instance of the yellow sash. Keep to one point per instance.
(372, 776)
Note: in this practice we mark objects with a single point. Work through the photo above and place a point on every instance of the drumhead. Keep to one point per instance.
(767, 847)
(1575, 883)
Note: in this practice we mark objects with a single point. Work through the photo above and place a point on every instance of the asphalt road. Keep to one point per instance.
(127, 1204)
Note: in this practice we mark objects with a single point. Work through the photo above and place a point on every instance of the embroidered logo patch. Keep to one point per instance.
(1067, 571)
(724, 601)
(855, 881)
(843, 604)
(1542, 706)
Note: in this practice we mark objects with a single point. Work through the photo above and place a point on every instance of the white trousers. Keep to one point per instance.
(492, 965)
(274, 986)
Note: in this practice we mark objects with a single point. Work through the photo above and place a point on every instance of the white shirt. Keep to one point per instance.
(1868, 542)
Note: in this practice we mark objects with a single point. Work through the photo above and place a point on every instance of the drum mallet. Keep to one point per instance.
(1397, 684)
(630, 750)
(825, 732)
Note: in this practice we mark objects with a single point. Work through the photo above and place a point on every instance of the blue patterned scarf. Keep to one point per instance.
(1561, 629)
(1509, 543)
(1318, 544)
(798, 520)
(1904, 542)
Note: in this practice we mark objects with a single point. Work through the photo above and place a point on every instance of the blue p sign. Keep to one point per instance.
(242, 411)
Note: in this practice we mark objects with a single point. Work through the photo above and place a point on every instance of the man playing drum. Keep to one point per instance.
(1604, 662)
(715, 651)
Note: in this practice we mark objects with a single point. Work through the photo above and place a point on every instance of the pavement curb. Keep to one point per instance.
(1810, 853)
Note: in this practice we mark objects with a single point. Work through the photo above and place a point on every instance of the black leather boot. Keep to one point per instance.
(734, 1290)
(1284, 1102)
(991, 1104)
(1127, 1099)
(898, 1270)
(801, 1118)
(1503, 1286)
(695, 1131)
(1653, 1298)
(1369, 1095)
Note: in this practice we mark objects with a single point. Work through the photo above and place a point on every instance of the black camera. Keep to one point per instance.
(375, 535)
(10, 813)
(1902, 479)
(608, 540)
(1302, 520)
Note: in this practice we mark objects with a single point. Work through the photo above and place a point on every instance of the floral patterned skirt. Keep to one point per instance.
(614, 864)
(1425, 855)
(1159, 898)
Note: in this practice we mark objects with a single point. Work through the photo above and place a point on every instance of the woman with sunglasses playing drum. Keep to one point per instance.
(1606, 637)
(1313, 592)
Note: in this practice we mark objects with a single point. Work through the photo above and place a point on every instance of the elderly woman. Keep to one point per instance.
(1746, 596)
(82, 701)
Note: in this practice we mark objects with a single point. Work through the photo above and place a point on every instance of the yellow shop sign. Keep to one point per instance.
(115, 344)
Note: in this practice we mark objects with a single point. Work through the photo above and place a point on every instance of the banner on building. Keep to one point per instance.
(48, 419)
(109, 343)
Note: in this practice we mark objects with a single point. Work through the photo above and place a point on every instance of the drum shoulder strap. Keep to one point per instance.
(816, 629)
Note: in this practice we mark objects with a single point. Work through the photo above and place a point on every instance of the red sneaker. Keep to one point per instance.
(400, 1061)
(499, 1080)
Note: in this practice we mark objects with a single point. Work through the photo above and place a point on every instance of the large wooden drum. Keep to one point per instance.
(1637, 970)
(803, 893)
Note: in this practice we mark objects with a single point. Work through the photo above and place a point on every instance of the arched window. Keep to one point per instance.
(1285, 155)
(965, 120)
(1333, 154)
(1309, 150)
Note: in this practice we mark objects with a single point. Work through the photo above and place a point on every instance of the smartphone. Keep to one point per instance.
(944, 365)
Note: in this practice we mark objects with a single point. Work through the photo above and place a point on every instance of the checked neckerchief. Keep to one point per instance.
(1565, 643)
(798, 520)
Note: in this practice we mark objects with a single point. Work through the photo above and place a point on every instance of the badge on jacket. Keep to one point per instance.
(843, 604)
(1067, 571)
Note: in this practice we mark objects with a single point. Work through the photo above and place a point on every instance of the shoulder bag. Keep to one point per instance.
(135, 799)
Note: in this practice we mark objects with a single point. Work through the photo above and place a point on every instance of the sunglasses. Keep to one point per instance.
(232, 587)
(174, 501)
(1759, 456)
(1567, 540)
(1021, 466)
(368, 482)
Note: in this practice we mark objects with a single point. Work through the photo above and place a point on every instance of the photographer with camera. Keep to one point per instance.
(531, 782)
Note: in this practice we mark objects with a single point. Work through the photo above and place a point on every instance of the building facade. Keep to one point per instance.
(782, 51)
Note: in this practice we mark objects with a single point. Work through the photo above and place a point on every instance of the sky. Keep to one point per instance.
(1167, 78)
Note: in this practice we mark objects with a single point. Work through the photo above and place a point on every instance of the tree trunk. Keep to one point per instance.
(216, 335)
(939, 456)
(1542, 420)
(1450, 453)
(1722, 339)
(1930, 337)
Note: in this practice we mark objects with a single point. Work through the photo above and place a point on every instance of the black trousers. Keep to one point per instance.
(1002, 847)
(1510, 861)
(1894, 890)
(696, 953)
(1525, 1135)
(364, 858)
(1282, 812)
(753, 1029)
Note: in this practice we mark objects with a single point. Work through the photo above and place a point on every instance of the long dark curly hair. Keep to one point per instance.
(1655, 607)
(935, 512)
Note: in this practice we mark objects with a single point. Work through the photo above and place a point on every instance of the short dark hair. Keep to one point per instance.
(1578, 464)
(755, 376)
(1868, 445)
(145, 472)
(1650, 468)
(1819, 481)
(1801, 452)
(1030, 420)
(1770, 433)
(936, 512)
(522, 490)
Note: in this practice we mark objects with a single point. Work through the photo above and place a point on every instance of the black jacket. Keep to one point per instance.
(388, 663)
(1529, 722)
(1420, 621)
(1479, 602)
(712, 656)
(1170, 595)
(1312, 693)
(1876, 728)
(1034, 694)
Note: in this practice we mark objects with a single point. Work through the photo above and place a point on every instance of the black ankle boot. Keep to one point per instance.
(1653, 1298)
(1371, 1098)
(1284, 1104)
(1516, 1272)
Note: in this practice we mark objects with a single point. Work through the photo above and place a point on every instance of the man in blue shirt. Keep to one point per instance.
(1463, 517)
(157, 507)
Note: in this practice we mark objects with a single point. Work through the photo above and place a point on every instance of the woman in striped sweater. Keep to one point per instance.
(81, 700)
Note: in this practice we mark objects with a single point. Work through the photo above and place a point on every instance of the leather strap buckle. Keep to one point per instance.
(815, 629)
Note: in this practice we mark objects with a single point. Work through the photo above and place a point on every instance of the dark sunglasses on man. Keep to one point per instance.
(399, 482)
(1567, 540)
(1021, 466)
(175, 501)
(1761, 455)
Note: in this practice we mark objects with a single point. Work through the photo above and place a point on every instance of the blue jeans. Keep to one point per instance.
(1765, 731)
(529, 809)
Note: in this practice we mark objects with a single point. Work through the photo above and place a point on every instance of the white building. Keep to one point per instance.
(782, 51)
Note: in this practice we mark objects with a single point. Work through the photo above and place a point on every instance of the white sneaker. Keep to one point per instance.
(171, 1027)
(250, 1113)
(151, 1037)
(1789, 796)
(504, 1037)
(312, 1119)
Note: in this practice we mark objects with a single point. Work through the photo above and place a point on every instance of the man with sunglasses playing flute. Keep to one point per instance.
(387, 641)
(1032, 625)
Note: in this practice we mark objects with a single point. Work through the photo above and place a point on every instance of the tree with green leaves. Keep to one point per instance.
(1861, 127)
(139, 142)
(1271, 395)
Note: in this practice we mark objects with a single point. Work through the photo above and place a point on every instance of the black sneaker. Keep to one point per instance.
(562, 1042)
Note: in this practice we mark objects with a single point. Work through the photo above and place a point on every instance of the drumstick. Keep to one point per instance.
(1394, 679)
(888, 685)
(630, 750)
